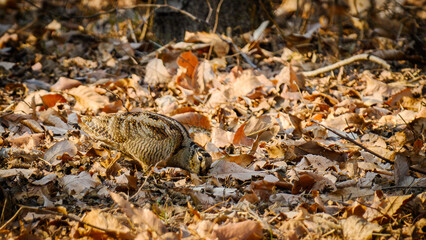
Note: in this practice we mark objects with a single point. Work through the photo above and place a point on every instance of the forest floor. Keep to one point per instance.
(334, 154)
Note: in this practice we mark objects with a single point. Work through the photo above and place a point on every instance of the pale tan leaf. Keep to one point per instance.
(65, 83)
(247, 230)
(114, 225)
(156, 73)
(355, 228)
(78, 185)
(58, 149)
(220, 47)
(87, 99)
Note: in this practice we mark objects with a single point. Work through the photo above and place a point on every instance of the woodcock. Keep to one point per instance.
(149, 138)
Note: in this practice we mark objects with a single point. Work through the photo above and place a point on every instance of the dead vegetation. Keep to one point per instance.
(302, 148)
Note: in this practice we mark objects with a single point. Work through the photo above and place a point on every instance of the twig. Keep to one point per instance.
(47, 211)
(239, 51)
(210, 11)
(145, 25)
(11, 219)
(217, 204)
(377, 209)
(117, 29)
(132, 32)
(364, 148)
(280, 31)
(143, 184)
(216, 21)
(33, 4)
(347, 61)
(147, 57)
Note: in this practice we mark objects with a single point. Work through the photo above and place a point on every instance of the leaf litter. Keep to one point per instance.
(334, 153)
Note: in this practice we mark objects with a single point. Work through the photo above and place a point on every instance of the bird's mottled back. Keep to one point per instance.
(149, 138)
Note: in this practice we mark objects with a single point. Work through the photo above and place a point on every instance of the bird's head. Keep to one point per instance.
(199, 161)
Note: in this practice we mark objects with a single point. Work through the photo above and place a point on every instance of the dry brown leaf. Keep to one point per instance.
(80, 62)
(78, 185)
(53, 25)
(193, 119)
(319, 163)
(58, 149)
(345, 121)
(247, 230)
(87, 99)
(64, 83)
(356, 228)
(265, 126)
(220, 47)
(325, 98)
(396, 98)
(45, 180)
(240, 139)
(189, 63)
(223, 169)
(317, 148)
(4, 173)
(243, 159)
(6, 37)
(245, 84)
(25, 106)
(140, 215)
(50, 100)
(222, 138)
(205, 76)
(112, 223)
(27, 141)
(156, 73)
(308, 181)
(263, 189)
(294, 229)
(304, 183)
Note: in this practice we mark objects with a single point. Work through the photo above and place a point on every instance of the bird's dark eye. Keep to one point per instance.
(200, 158)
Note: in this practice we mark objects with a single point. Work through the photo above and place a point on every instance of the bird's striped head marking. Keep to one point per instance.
(200, 161)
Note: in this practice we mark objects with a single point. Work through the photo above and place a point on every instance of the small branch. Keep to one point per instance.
(148, 57)
(11, 219)
(280, 31)
(151, 169)
(364, 148)
(217, 204)
(210, 11)
(216, 21)
(246, 58)
(47, 211)
(347, 61)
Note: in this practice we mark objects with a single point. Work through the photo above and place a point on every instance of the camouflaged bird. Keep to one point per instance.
(149, 138)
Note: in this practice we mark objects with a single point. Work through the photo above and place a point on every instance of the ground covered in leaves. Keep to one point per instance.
(337, 155)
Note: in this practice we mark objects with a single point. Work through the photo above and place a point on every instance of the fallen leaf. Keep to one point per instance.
(50, 100)
(114, 225)
(78, 185)
(87, 98)
(246, 230)
(64, 83)
(58, 149)
(356, 228)
(156, 73)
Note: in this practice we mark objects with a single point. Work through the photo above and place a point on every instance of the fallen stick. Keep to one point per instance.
(48, 211)
(365, 148)
(347, 61)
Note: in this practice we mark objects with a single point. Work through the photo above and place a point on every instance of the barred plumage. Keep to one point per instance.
(149, 138)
